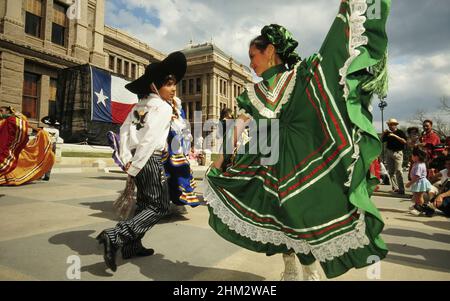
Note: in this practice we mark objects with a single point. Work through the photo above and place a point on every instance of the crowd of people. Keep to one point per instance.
(428, 161)
(312, 205)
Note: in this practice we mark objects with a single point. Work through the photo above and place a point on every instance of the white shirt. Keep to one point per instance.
(153, 123)
(53, 133)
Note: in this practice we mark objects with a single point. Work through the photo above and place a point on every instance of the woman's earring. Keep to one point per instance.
(271, 62)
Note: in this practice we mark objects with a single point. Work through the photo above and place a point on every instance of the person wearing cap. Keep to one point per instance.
(143, 138)
(396, 141)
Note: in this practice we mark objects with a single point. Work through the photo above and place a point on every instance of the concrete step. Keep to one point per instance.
(75, 169)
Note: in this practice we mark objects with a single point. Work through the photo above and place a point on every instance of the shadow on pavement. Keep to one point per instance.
(392, 210)
(106, 209)
(158, 268)
(444, 238)
(432, 258)
(107, 212)
(83, 244)
(109, 178)
(445, 225)
(155, 267)
(392, 195)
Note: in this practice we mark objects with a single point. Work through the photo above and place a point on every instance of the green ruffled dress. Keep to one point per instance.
(316, 199)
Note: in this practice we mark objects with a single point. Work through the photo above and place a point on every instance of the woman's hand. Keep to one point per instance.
(127, 166)
(219, 162)
(438, 201)
(408, 185)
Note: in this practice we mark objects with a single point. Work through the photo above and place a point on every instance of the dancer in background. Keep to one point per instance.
(23, 160)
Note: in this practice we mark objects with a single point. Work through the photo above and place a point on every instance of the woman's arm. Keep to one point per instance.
(241, 122)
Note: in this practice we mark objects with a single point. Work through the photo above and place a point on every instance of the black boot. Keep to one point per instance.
(109, 251)
(429, 212)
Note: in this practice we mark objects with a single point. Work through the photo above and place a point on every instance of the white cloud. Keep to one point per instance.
(415, 82)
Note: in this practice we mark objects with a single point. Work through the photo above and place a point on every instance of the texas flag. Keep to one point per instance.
(111, 102)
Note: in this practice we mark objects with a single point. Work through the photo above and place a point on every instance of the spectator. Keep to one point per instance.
(419, 183)
(413, 141)
(429, 139)
(413, 137)
(384, 174)
(440, 193)
(395, 143)
(53, 133)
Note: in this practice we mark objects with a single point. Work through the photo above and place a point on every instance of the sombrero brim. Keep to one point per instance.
(175, 64)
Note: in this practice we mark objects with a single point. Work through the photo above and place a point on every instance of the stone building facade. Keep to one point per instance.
(40, 37)
(212, 82)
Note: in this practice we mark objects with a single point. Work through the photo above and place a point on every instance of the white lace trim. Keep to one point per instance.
(356, 26)
(327, 250)
(262, 109)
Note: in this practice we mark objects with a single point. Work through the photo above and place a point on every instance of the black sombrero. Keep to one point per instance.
(50, 121)
(175, 64)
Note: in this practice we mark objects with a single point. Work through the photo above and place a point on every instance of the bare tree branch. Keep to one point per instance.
(445, 104)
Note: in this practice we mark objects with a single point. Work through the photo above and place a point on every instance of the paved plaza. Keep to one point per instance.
(45, 223)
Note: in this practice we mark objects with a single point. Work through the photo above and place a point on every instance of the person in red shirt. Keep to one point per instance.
(429, 139)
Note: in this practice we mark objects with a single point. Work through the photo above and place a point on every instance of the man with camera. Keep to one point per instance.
(395, 143)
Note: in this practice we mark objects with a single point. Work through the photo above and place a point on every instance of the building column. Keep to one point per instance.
(80, 49)
(97, 54)
(44, 95)
(11, 78)
(217, 99)
(48, 20)
(212, 96)
(204, 97)
(12, 21)
(230, 94)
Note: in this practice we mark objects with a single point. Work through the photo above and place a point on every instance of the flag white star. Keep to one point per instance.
(101, 97)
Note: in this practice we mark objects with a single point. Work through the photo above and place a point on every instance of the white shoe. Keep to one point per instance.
(414, 212)
(311, 273)
(290, 268)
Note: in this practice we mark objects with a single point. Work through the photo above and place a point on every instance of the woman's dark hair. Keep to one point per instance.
(420, 154)
(261, 43)
(159, 83)
(282, 40)
(412, 129)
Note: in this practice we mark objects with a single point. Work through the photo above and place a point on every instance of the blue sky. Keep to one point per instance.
(419, 33)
